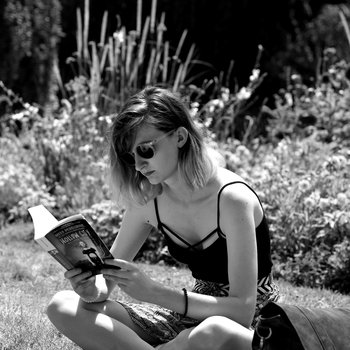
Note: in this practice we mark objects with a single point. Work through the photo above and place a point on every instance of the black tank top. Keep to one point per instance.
(210, 264)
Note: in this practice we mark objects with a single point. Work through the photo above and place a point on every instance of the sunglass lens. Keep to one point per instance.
(145, 151)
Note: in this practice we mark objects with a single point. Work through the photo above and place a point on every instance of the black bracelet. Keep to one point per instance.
(186, 302)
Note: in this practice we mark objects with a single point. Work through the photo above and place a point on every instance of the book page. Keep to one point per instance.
(43, 220)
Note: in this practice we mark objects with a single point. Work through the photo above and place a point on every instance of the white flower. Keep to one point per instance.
(244, 94)
(255, 75)
(215, 104)
(289, 99)
(342, 199)
(304, 185)
(18, 116)
(324, 203)
(309, 202)
(242, 151)
(225, 94)
(119, 35)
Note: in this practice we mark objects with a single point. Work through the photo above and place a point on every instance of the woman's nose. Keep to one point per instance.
(139, 162)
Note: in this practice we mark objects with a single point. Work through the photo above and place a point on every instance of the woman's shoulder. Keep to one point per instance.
(233, 188)
(225, 177)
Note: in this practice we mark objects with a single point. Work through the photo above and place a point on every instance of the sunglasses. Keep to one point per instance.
(145, 150)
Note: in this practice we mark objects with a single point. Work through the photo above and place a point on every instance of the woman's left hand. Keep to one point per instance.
(130, 279)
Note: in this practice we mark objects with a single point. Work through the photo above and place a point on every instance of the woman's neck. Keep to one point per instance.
(180, 192)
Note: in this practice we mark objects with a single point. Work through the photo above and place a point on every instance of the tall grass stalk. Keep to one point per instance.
(139, 16)
(345, 25)
(120, 64)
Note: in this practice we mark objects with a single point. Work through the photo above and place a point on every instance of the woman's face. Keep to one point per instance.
(163, 147)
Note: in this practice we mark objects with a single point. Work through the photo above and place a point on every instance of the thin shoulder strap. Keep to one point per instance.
(218, 203)
(161, 226)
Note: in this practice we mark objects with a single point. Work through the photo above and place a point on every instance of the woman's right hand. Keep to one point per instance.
(83, 283)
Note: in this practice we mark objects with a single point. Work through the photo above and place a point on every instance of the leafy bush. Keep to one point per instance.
(322, 109)
(19, 186)
(230, 113)
(72, 148)
(305, 189)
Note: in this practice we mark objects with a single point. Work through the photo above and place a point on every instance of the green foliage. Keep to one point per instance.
(235, 114)
(297, 158)
(19, 185)
(304, 185)
(321, 110)
(71, 145)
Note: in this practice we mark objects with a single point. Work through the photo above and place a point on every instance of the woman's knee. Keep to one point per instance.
(62, 305)
(220, 333)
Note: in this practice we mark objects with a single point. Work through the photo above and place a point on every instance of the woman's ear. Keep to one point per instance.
(182, 136)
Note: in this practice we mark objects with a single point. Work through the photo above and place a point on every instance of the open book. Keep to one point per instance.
(71, 241)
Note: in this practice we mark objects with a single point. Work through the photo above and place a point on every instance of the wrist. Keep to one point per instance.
(96, 298)
(157, 293)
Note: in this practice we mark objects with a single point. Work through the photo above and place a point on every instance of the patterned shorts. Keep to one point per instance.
(162, 325)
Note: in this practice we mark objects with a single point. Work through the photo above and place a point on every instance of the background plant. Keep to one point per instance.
(295, 154)
(108, 71)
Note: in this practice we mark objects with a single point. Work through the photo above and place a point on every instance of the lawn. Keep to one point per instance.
(29, 277)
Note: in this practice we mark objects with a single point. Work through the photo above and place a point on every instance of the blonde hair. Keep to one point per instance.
(157, 107)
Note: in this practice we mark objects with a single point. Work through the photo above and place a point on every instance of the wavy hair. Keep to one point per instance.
(160, 108)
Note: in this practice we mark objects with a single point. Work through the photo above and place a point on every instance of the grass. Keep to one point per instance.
(29, 277)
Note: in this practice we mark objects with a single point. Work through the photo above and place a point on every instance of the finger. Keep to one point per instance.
(82, 277)
(114, 270)
(123, 264)
(73, 272)
(111, 275)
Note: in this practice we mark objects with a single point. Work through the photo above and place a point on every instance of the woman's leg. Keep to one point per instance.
(94, 326)
(214, 333)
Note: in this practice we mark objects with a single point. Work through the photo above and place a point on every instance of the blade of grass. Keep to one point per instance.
(104, 57)
(139, 17)
(187, 63)
(160, 30)
(229, 72)
(95, 77)
(345, 25)
(79, 37)
(103, 28)
(130, 47)
(143, 40)
(86, 29)
(176, 58)
(177, 79)
(165, 62)
(153, 15)
(150, 67)
(111, 55)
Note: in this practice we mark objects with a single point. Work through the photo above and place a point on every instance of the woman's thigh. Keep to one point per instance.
(214, 333)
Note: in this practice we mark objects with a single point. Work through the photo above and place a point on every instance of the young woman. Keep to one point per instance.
(212, 221)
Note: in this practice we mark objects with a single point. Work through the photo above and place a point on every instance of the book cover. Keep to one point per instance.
(71, 241)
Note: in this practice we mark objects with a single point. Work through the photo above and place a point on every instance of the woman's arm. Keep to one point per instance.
(133, 232)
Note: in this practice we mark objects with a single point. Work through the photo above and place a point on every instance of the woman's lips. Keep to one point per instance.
(148, 173)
